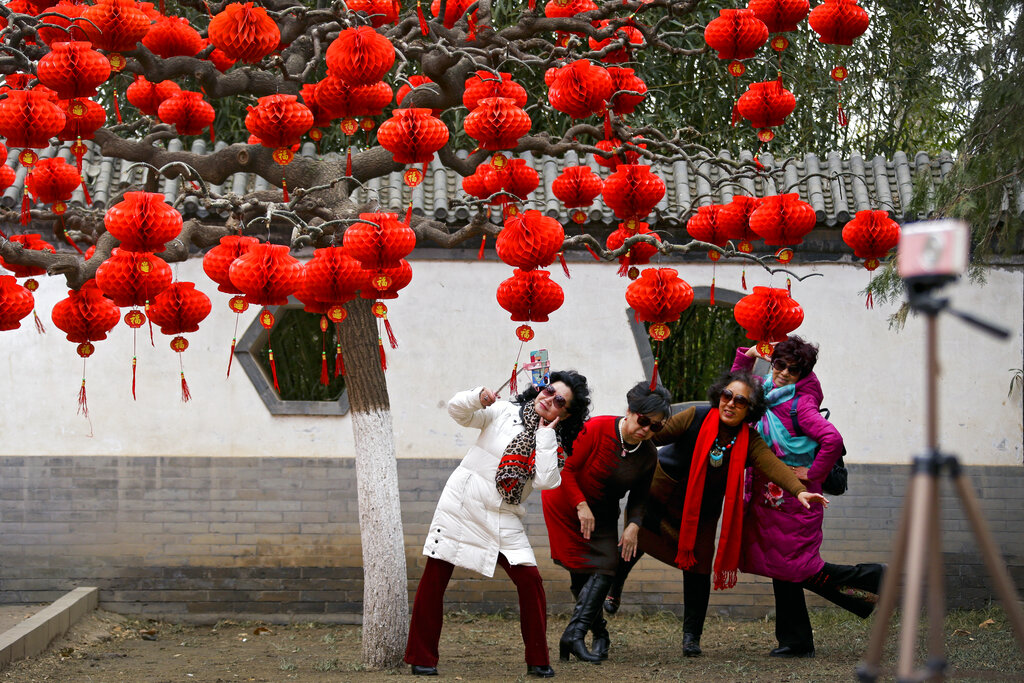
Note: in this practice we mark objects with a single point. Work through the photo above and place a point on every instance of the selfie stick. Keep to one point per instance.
(917, 544)
(533, 365)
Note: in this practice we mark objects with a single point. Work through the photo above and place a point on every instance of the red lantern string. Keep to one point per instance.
(339, 360)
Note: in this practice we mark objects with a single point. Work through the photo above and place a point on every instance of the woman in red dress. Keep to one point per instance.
(611, 458)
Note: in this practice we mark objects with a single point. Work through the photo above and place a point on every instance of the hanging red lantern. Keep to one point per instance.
(485, 182)
(453, 11)
(244, 32)
(625, 83)
(217, 264)
(173, 37)
(871, 234)
(132, 278)
(86, 316)
(412, 136)
(147, 96)
(780, 16)
(622, 155)
(658, 296)
(566, 8)
(415, 81)
(766, 105)
(16, 302)
(632, 192)
(530, 296)
(143, 221)
(177, 310)
(783, 220)
(73, 69)
(218, 57)
(400, 277)
(484, 84)
(63, 23)
(331, 278)
(529, 240)
(52, 181)
(580, 89)
(838, 22)
(34, 242)
(82, 119)
(497, 123)
(267, 274)
(28, 119)
(715, 224)
(7, 178)
(744, 206)
(639, 254)
(379, 241)
(768, 315)
(188, 112)
(632, 35)
(360, 56)
(380, 12)
(322, 116)
(735, 34)
(348, 102)
(518, 181)
(279, 121)
(577, 187)
(115, 26)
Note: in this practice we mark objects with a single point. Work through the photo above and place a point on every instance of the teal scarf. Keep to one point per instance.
(799, 450)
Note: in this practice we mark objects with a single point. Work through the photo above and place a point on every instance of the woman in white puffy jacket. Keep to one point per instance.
(478, 521)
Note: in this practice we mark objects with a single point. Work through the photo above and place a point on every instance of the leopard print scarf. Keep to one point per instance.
(517, 465)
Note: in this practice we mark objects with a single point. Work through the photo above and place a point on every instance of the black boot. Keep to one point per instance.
(614, 598)
(854, 588)
(601, 641)
(588, 606)
(696, 592)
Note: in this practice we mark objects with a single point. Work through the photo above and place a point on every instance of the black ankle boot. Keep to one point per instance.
(588, 606)
(691, 645)
(601, 640)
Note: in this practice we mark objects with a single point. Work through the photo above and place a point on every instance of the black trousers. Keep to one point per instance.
(852, 587)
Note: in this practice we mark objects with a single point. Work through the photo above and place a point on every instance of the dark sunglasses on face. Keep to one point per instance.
(645, 421)
(558, 399)
(740, 400)
(781, 366)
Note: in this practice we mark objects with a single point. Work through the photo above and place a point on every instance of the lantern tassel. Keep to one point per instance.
(624, 265)
(789, 286)
(134, 363)
(483, 244)
(608, 124)
(339, 362)
(383, 356)
(39, 323)
(743, 280)
(67, 237)
(533, 5)
(423, 20)
(592, 252)
(391, 334)
(844, 120)
(565, 266)
(654, 375)
(83, 404)
(273, 371)
(408, 215)
(324, 377)
(284, 186)
(117, 107)
(513, 383)
(471, 28)
(25, 208)
(231, 356)
(186, 395)
(348, 162)
(712, 291)
(870, 302)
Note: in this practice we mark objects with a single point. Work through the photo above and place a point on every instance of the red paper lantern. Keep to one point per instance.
(453, 10)
(838, 22)
(63, 23)
(639, 254)
(779, 16)
(28, 119)
(632, 192)
(173, 37)
(484, 183)
(82, 118)
(625, 82)
(115, 26)
(187, 111)
(529, 240)
(735, 34)
(7, 177)
(133, 278)
(73, 69)
(244, 32)
(412, 136)
(346, 101)
(143, 221)
(399, 277)
(715, 224)
(179, 308)
(622, 155)
(279, 121)
(567, 8)
(16, 302)
(530, 296)
(217, 262)
(219, 58)
(331, 278)
(744, 206)
(497, 123)
(766, 105)
(783, 220)
(380, 11)
(322, 116)
(32, 241)
(871, 234)
(52, 181)
(659, 295)
(415, 81)
(518, 180)
(768, 315)
(85, 316)
(360, 56)
(632, 35)
(484, 84)
(267, 274)
(147, 96)
(379, 241)
(577, 187)
(580, 89)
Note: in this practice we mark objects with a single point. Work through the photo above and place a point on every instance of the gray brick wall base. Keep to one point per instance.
(199, 539)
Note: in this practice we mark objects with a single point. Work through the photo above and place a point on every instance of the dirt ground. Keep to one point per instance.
(108, 647)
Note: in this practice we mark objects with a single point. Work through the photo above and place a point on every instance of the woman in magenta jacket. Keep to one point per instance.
(782, 538)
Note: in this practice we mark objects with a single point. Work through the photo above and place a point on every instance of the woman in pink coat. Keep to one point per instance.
(782, 538)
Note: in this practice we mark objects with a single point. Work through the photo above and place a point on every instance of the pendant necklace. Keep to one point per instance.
(622, 441)
(717, 453)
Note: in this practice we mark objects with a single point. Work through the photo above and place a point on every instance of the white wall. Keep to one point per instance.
(452, 334)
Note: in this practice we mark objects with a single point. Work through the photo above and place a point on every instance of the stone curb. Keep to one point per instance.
(33, 635)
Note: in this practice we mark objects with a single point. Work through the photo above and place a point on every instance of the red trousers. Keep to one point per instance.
(428, 612)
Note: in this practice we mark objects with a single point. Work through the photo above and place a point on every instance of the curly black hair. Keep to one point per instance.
(642, 400)
(757, 402)
(797, 353)
(579, 406)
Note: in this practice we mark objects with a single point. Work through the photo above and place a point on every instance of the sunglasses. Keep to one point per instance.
(740, 400)
(781, 366)
(558, 399)
(645, 421)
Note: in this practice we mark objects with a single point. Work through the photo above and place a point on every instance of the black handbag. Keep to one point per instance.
(835, 483)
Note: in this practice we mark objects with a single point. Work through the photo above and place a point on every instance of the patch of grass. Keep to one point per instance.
(286, 665)
(325, 665)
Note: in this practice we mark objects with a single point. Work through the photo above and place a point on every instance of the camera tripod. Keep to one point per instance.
(917, 545)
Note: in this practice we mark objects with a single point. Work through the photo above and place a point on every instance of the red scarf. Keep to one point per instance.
(727, 556)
